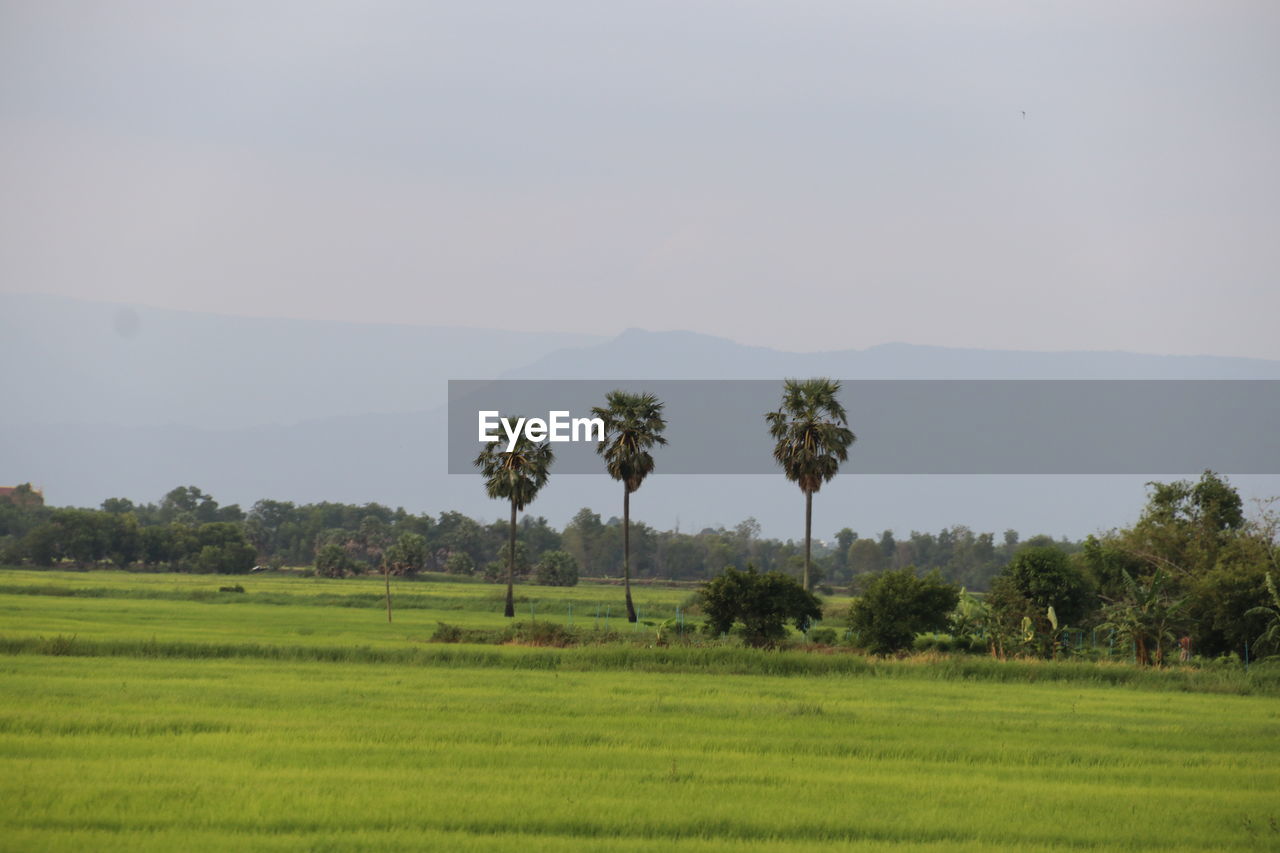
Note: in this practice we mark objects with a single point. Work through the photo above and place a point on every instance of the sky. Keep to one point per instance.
(803, 175)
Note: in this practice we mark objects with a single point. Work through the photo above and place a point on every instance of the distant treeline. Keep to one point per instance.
(188, 530)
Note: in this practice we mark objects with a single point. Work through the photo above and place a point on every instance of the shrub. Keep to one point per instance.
(459, 563)
(446, 633)
(556, 568)
(897, 605)
(823, 636)
(762, 603)
(540, 634)
(333, 561)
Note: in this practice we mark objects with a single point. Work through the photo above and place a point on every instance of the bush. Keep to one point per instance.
(823, 636)
(762, 603)
(540, 634)
(446, 633)
(1046, 578)
(332, 561)
(897, 605)
(556, 568)
(459, 563)
(934, 642)
(1038, 578)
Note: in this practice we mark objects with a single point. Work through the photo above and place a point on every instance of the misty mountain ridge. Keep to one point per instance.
(105, 400)
(640, 354)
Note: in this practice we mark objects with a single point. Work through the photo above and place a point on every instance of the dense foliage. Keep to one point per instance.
(898, 605)
(762, 603)
(1189, 578)
(282, 533)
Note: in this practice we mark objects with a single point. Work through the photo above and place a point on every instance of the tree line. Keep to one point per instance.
(341, 539)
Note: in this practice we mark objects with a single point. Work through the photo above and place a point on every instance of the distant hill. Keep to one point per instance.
(72, 362)
(637, 354)
(103, 400)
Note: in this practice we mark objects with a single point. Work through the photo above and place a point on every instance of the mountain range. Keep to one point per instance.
(104, 399)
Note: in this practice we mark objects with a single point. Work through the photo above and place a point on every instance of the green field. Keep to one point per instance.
(132, 737)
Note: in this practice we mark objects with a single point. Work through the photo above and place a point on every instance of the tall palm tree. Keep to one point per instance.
(633, 425)
(812, 437)
(515, 476)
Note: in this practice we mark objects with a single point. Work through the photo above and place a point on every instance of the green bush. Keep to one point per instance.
(897, 605)
(823, 636)
(556, 568)
(459, 563)
(332, 561)
(762, 603)
(541, 634)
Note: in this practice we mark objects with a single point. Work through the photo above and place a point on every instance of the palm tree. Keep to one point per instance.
(633, 424)
(812, 437)
(515, 476)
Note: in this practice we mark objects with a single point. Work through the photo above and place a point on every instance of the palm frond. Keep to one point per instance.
(810, 431)
(633, 426)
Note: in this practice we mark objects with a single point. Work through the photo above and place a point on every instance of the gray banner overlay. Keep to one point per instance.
(920, 426)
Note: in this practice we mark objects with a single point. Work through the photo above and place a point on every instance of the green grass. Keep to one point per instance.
(147, 722)
(482, 603)
(153, 754)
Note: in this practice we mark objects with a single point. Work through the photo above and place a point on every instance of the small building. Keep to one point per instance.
(22, 495)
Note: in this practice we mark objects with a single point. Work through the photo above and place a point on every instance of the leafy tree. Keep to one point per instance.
(812, 437)
(459, 563)
(456, 533)
(763, 603)
(1040, 577)
(408, 555)
(118, 506)
(189, 503)
(581, 537)
(1047, 578)
(124, 538)
(840, 557)
(81, 534)
(897, 605)
(633, 426)
(865, 557)
(516, 476)
(888, 546)
(1224, 602)
(332, 561)
(41, 544)
(221, 546)
(494, 569)
(1185, 525)
(556, 568)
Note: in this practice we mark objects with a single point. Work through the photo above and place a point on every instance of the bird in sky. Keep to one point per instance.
(1024, 113)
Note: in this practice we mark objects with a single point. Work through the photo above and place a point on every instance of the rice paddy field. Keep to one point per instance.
(145, 712)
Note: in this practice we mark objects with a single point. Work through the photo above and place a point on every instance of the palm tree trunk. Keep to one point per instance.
(808, 531)
(626, 550)
(511, 567)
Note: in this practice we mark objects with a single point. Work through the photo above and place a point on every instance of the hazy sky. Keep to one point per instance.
(804, 175)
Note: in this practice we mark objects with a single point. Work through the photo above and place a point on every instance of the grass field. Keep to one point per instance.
(130, 743)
